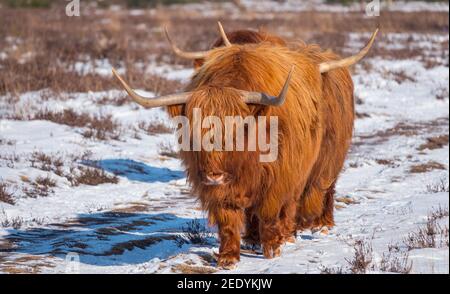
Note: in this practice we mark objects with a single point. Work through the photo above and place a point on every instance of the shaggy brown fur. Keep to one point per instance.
(244, 37)
(271, 200)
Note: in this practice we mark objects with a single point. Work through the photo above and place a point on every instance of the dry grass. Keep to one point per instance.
(8, 142)
(153, 128)
(45, 162)
(433, 143)
(192, 269)
(168, 150)
(401, 76)
(441, 186)
(92, 177)
(6, 195)
(426, 167)
(195, 233)
(395, 261)
(97, 127)
(392, 261)
(15, 222)
(74, 173)
(362, 257)
(439, 213)
(432, 235)
(40, 187)
(9, 160)
(46, 55)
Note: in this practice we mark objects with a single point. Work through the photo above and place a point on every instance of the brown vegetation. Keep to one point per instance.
(93, 176)
(6, 195)
(441, 186)
(46, 57)
(426, 167)
(434, 143)
(432, 235)
(97, 127)
(153, 128)
(40, 187)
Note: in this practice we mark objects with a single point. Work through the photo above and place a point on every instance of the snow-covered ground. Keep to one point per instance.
(395, 176)
(269, 6)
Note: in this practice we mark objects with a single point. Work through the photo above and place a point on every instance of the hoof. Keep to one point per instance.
(227, 262)
(271, 251)
(290, 239)
(321, 230)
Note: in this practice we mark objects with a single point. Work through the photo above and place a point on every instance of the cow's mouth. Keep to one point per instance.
(216, 179)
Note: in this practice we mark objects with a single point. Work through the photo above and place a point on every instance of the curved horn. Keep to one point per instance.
(264, 99)
(225, 39)
(330, 65)
(184, 54)
(149, 102)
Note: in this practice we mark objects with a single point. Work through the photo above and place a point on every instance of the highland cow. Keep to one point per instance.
(314, 104)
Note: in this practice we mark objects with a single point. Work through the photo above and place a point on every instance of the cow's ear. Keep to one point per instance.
(198, 63)
(259, 110)
(175, 110)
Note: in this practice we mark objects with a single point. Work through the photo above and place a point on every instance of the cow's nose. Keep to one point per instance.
(215, 179)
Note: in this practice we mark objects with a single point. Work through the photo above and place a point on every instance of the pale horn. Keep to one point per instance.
(264, 99)
(184, 54)
(149, 102)
(225, 39)
(349, 61)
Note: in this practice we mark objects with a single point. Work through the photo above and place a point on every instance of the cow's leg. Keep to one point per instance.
(229, 223)
(271, 237)
(315, 208)
(270, 229)
(251, 236)
(287, 219)
(327, 218)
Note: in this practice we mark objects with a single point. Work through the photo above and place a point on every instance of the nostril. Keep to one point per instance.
(215, 177)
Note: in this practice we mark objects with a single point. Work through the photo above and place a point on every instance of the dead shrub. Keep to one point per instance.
(92, 177)
(438, 213)
(154, 128)
(362, 257)
(48, 54)
(401, 76)
(15, 222)
(192, 269)
(6, 195)
(116, 101)
(442, 94)
(395, 261)
(432, 235)
(97, 127)
(194, 232)
(426, 167)
(7, 142)
(434, 143)
(9, 160)
(40, 187)
(103, 128)
(168, 150)
(45, 162)
(441, 186)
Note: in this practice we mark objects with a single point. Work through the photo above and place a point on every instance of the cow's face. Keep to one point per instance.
(218, 109)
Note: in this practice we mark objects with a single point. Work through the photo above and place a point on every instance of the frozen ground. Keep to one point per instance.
(395, 176)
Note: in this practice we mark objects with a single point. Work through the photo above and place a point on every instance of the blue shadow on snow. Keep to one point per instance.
(136, 171)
